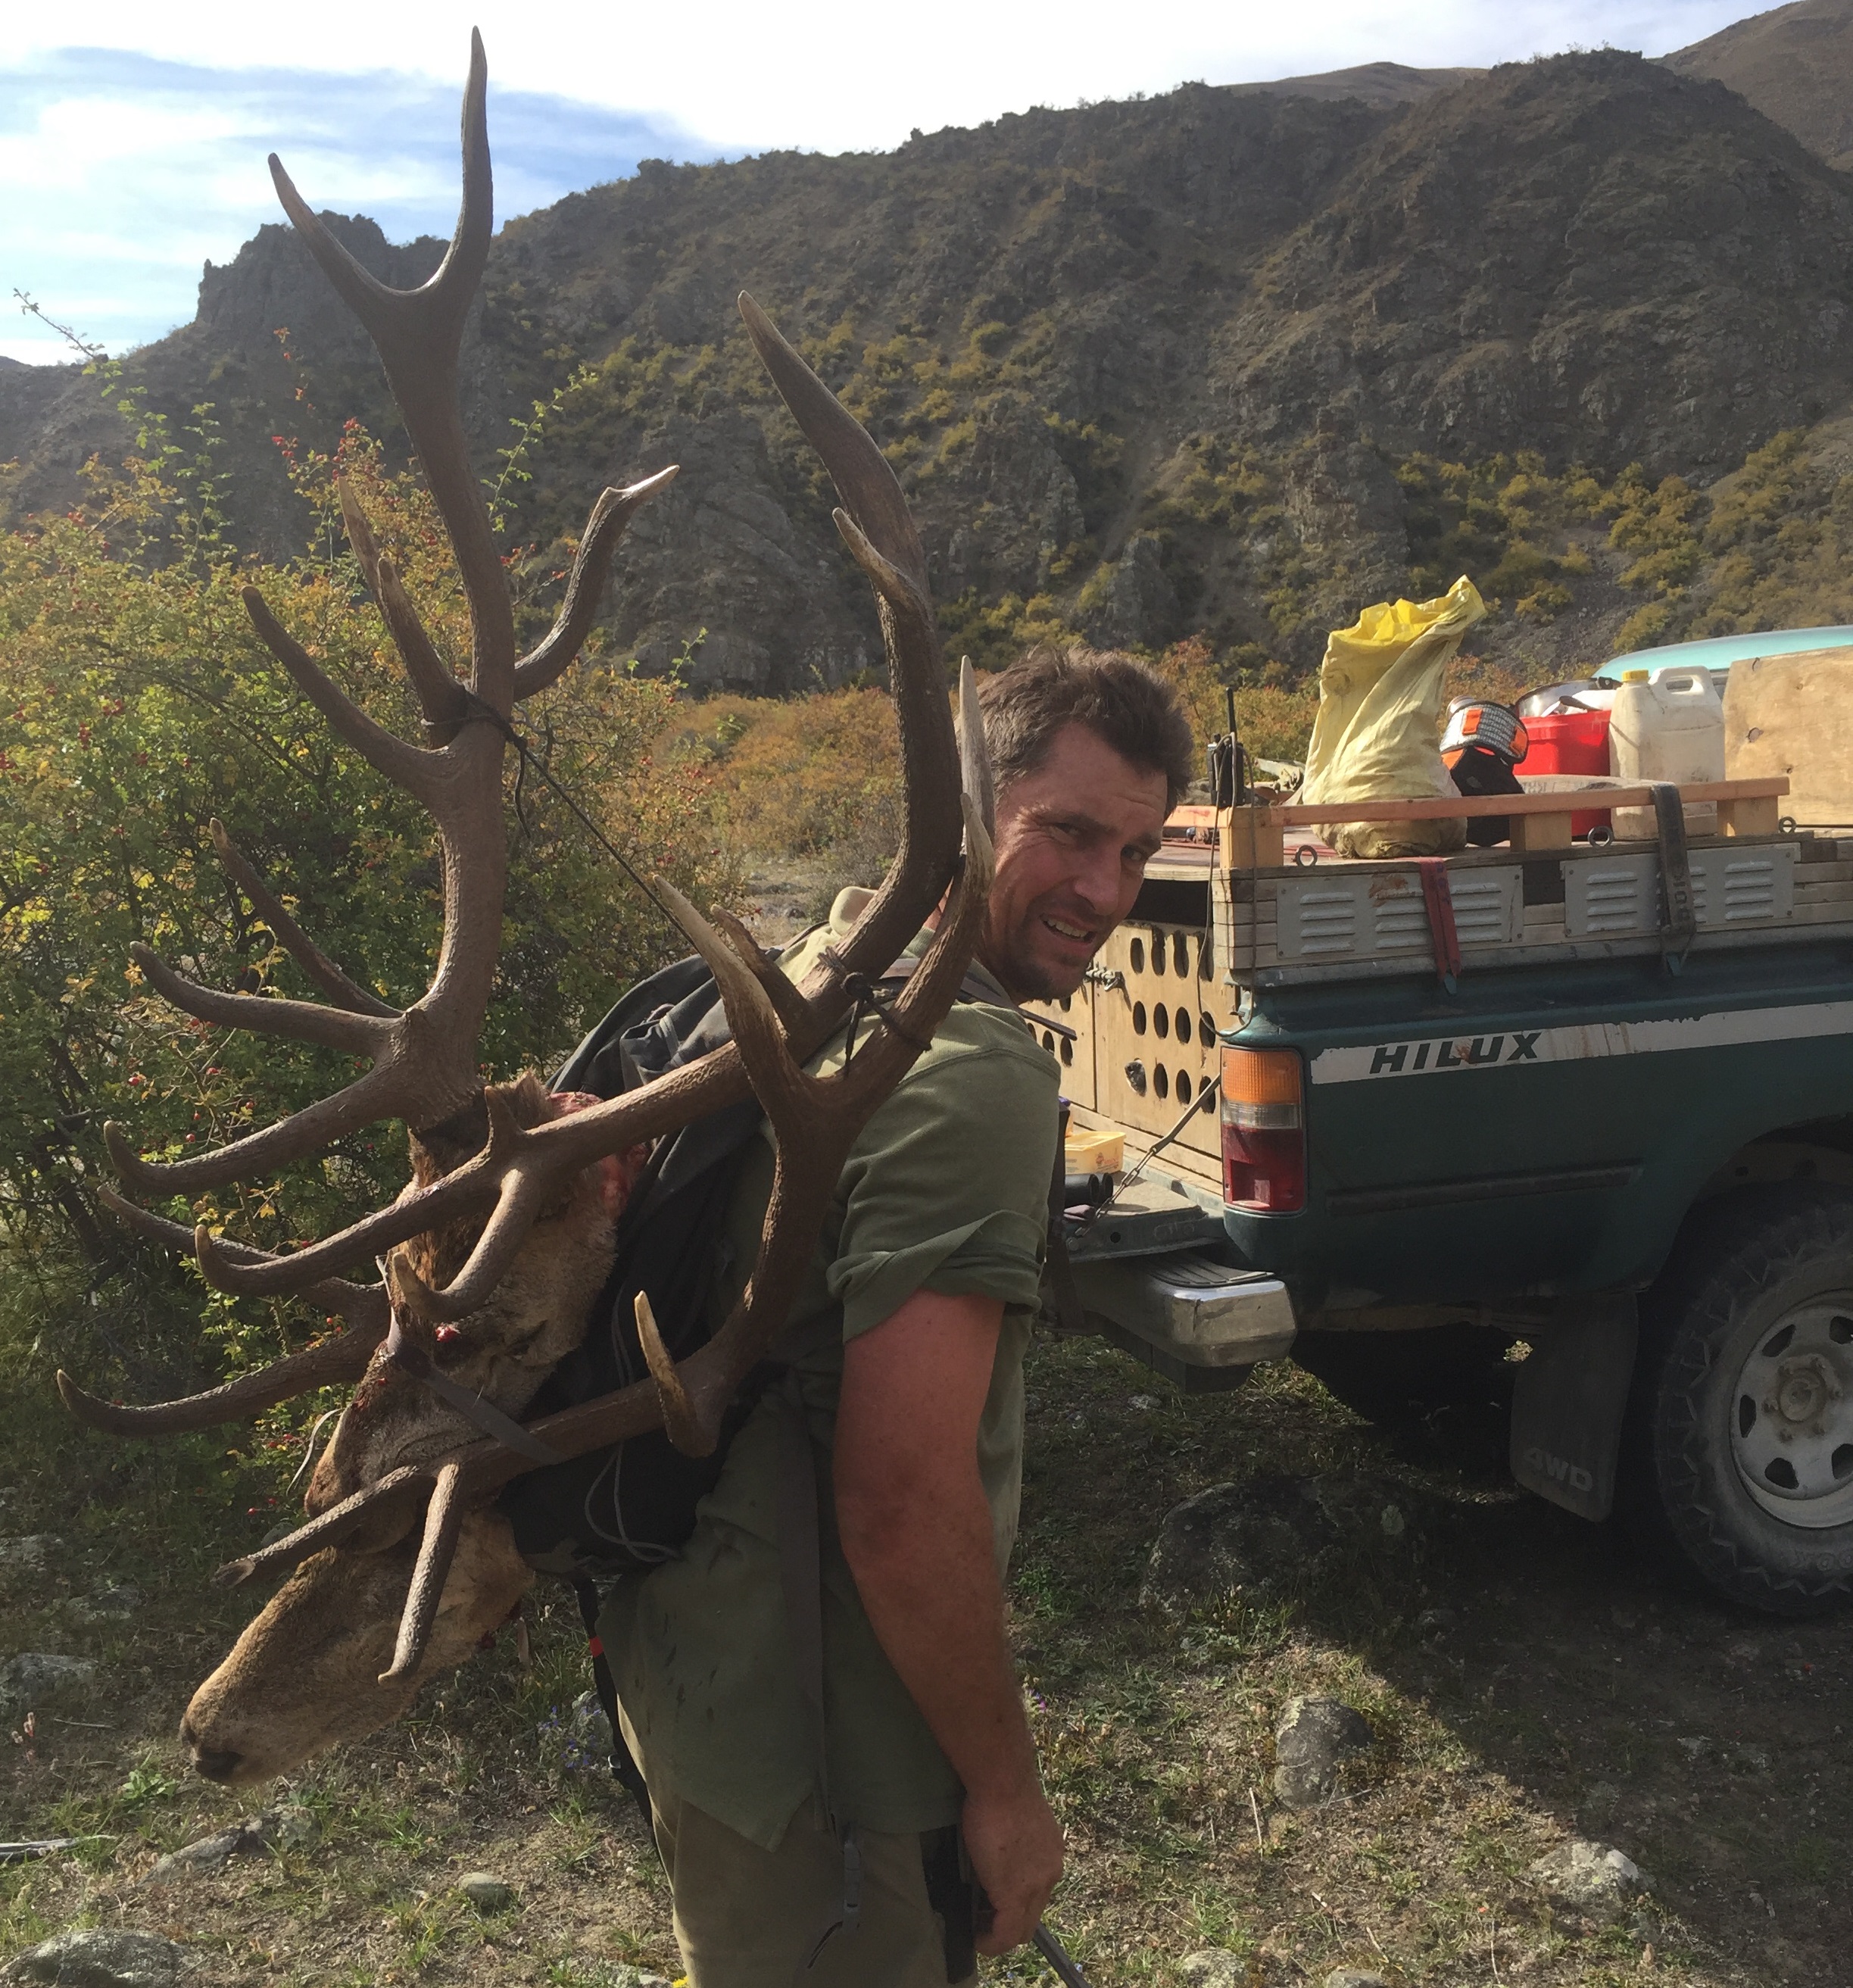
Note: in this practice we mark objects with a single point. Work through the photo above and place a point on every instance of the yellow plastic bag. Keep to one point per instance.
(1378, 735)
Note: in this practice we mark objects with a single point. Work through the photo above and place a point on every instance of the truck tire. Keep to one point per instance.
(1395, 1377)
(1737, 1458)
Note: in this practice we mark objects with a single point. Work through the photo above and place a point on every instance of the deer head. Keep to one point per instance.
(494, 1251)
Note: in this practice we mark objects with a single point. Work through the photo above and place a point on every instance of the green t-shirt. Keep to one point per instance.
(946, 1190)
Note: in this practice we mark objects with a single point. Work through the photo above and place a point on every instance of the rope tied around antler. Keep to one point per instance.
(871, 998)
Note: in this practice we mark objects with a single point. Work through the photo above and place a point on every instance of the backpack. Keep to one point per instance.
(632, 1506)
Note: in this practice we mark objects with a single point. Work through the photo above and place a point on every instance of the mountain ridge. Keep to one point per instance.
(1055, 322)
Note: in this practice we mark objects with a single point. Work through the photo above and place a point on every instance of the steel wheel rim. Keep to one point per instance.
(1791, 1415)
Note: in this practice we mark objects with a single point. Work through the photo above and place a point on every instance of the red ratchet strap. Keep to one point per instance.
(1439, 900)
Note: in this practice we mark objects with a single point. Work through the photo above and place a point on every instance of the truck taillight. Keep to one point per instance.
(1264, 1130)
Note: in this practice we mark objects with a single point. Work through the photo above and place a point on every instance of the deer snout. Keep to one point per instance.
(217, 1763)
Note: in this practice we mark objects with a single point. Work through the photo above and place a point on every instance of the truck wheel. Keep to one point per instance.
(1738, 1461)
(1392, 1376)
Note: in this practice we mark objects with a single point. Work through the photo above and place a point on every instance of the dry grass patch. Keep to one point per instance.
(1522, 1683)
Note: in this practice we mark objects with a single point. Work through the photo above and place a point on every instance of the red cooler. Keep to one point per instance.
(1571, 742)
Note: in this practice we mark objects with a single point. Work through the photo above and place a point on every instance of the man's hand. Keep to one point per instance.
(1015, 1848)
(916, 1532)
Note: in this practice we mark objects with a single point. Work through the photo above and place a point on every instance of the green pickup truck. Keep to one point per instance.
(1600, 1149)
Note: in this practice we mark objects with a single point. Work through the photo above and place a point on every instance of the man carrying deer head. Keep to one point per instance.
(905, 1394)
(819, 1687)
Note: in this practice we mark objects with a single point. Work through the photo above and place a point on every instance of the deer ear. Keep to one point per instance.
(440, 1148)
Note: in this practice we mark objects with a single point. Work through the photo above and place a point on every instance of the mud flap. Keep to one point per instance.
(1568, 1403)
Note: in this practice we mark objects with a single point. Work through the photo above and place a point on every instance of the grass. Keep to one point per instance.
(1554, 1672)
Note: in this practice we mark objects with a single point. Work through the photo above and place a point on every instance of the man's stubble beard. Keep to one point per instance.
(1025, 978)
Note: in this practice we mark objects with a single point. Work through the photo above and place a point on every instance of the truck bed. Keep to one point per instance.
(1204, 942)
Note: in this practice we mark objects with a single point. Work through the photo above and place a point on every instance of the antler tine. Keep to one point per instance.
(974, 756)
(330, 1363)
(361, 1034)
(408, 766)
(389, 1507)
(443, 1521)
(365, 1305)
(341, 1358)
(523, 1193)
(383, 1092)
(344, 992)
(681, 1423)
(877, 509)
(440, 696)
(864, 480)
(664, 1105)
(750, 1011)
(610, 517)
(419, 334)
(783, 995)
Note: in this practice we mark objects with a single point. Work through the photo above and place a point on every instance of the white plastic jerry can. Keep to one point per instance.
(1670, 726)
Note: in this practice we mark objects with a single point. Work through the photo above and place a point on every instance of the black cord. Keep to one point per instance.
(477, 709)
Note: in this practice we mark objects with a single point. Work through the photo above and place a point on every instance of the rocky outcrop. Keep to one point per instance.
(1591, 257)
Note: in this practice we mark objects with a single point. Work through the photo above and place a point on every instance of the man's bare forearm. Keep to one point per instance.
(929, 1585)
(916, 1531)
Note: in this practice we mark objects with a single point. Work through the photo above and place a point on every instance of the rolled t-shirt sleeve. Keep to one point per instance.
(946, 1189)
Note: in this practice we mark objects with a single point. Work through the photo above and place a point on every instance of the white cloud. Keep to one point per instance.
(120, 175)
(840, 75)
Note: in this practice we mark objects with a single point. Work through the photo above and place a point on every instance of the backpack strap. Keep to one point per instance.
(1068, 1315)
(624, 1769)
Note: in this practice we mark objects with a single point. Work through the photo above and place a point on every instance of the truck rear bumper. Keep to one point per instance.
(1198, 1321)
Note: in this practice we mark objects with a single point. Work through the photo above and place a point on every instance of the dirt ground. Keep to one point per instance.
(1524, 1681)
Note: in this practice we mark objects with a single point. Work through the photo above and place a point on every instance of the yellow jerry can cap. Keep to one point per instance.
(1636, 676)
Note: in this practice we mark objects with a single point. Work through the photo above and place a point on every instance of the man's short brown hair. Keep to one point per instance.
(1119, 699)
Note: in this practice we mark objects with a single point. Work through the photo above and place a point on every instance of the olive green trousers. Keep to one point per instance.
(749, 1917)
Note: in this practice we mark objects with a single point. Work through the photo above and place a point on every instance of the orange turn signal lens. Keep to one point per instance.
(1261, 1077)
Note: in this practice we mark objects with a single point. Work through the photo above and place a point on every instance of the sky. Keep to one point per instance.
(133, 138)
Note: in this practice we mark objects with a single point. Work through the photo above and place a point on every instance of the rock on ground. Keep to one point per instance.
(1212, 1967)
(290, 1828)
(209, 1854)
(1592, 1877)
(107, 1604)
(100, 1959)
(1315, 1737)
(486, 1891)
(31, 1554)
(1355, 1977)
(1271, 1529)
(34, 1675)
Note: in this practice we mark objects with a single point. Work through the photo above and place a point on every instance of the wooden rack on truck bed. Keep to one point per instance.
(1247, 898)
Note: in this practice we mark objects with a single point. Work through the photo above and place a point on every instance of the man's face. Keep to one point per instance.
(1073, 837)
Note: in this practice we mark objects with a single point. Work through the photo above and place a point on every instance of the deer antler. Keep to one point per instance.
(422, 1060)
(875, 525)
(816, 1120)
